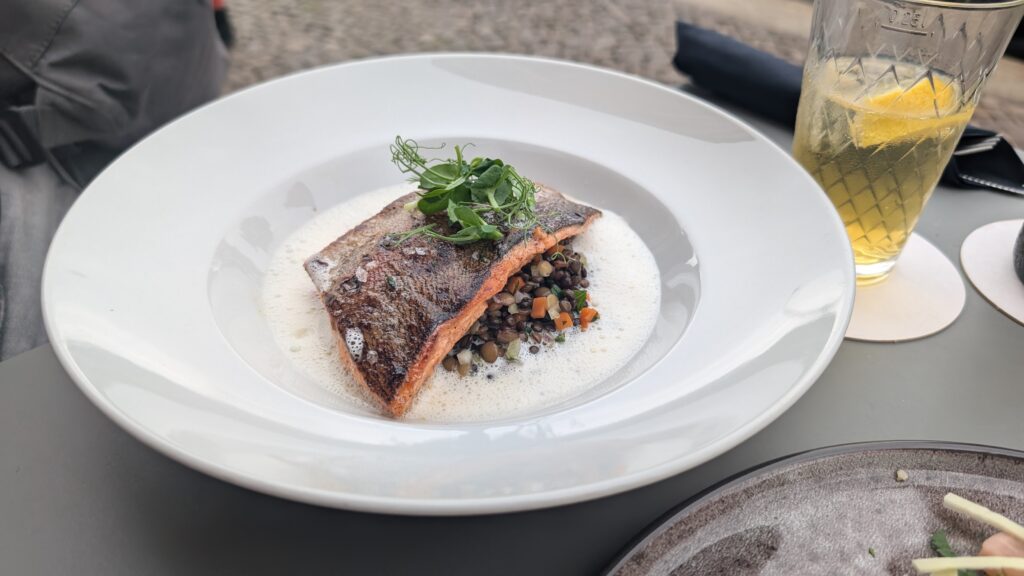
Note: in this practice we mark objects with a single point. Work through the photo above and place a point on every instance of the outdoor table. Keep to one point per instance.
(80, 496)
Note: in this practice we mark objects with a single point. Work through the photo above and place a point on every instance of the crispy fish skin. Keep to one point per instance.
(397, 310)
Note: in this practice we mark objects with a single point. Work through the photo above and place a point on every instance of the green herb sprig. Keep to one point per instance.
(940, 545)
(580, 300)
(483, 198)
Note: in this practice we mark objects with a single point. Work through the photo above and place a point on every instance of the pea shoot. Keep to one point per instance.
(483, 198)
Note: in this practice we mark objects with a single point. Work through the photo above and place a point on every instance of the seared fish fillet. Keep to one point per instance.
(398, 310)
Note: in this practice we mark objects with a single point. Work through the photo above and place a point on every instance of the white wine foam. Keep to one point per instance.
(625, 288)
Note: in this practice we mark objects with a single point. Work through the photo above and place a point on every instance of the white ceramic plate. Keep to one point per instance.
(152, 282)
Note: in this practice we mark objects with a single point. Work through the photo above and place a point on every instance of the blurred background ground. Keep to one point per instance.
(276, 37)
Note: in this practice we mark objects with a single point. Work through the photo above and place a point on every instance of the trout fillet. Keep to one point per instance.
(398, 310)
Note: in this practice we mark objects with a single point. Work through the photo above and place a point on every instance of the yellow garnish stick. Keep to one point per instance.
(982, 514)
(934, 565)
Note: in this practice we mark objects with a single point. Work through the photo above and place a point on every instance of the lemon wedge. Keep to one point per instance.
(896, 115)
(920, 97)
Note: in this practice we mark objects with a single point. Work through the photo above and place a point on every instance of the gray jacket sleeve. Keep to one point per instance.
(108, 72)
(87, 79)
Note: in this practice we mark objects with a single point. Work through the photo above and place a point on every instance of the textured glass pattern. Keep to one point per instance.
(888, 88)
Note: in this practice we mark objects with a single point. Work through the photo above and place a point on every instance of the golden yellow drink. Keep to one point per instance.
(878, 148)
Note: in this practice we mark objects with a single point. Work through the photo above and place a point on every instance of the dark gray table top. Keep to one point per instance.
(80, 496)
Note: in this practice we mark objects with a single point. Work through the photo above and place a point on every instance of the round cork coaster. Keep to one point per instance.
(922, 295)
(987, 258)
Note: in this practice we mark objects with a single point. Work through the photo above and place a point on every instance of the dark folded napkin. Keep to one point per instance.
(770, 87)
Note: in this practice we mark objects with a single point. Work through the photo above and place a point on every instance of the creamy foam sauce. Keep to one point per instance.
(625, 289)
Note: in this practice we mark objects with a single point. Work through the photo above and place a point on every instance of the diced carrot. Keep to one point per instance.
(587, 315)
(553, 250)
(540, 307)
(563, 321)
(514, 284)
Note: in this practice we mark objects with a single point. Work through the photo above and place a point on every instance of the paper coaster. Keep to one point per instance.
(987, 258)
(922, 295)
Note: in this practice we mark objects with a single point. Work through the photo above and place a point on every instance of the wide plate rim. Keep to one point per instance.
(462, 506)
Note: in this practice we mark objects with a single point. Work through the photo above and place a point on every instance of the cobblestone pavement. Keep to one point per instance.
(276, 37)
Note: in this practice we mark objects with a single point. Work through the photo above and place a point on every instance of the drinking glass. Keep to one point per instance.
(888, 87)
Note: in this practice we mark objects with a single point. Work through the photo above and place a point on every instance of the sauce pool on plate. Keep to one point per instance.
(625, 287)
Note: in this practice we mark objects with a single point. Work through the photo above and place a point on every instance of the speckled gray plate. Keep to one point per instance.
(821, 511)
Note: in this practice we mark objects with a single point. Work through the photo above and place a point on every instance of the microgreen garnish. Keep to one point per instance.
(940, 545)
(560, 338)
(483, 198)
(557, 290)
(392, 283)
(871, 551)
